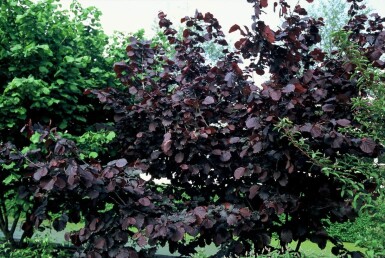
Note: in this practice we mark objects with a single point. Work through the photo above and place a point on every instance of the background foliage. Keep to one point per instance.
(48, 57)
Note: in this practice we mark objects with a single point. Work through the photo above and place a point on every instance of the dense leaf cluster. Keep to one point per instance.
(237, 177)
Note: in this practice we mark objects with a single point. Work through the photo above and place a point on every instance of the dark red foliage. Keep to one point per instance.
(210, 130)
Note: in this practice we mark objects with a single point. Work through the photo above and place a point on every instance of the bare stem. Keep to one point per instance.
(16, 220)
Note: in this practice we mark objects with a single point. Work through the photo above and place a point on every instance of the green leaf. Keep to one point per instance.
(35, 138)
(96, 70)
(43, 69)
(52, 101)
(110, 136)
(93, 155)
(25, 150)
(74, 88)
(63, 124)
(45, 91)
(11, 178)
(80, 118)
(35, 105)
(69, 59)
(9, 166)
(16, 47)
(58, 72)
(108, 207)
(46, 49)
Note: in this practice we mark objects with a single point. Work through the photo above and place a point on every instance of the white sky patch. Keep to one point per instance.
(132, 15)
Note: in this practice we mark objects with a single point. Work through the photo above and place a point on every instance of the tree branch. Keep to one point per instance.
(298, 245)
(4, 214)
(3, 226)
(16, 220)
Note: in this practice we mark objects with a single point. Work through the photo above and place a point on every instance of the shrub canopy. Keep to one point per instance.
(246, 162)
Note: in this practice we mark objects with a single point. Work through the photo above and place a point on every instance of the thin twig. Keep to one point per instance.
(120, 198)
(3, 226)
(298, 245)
(5, 215)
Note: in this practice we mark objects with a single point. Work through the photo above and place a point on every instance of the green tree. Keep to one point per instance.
(334, 14)
(367, 229)
(48, 57)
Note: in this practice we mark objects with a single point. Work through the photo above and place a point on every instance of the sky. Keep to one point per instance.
(132, 15)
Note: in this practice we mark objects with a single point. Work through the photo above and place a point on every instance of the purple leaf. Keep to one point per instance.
(60, 223)
(200, 212)
(208, 100)
(234, 28)
(149, 229)
(100, 243)
(229, 76)
(142, 241)
(178, 234)
(47, 184)
(263, 3)
(275, 94)
(139, 221)
(60, 182)
(179, 157)
(268, 34)
(166, 146)
(208, 223)
(133, 90)
(239, 172)
(128, 222)
(367, 145)
(328, 107)
(252, 122)
(245, 212)
(226, 156)
(306, 127)
(343, 122)
(121, 163)
(253, 191)
(231, 219)
(286, 236)
(155, 154)
(218, 239)
(316, 131)
(257, 147)
(288, 88)
(144, 201)
(283, 180)
(234, 140)
(337, 142)
(307, 77)
(40, 173)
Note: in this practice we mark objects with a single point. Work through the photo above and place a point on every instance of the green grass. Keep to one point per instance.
(310, 249)
(307, 249)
